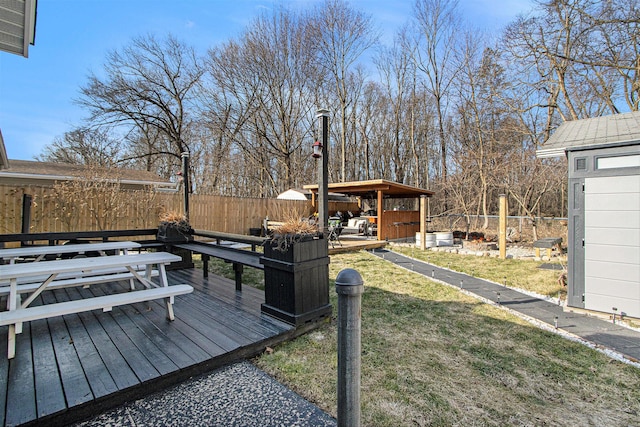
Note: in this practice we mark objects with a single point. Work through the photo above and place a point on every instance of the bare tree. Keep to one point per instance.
(98, 194)
(371, 104)
(397, 77)
(149, 84)
(229, 100)
(83, 146)
(268, 81)
(342, 35)
(437, 23)
(583, 55)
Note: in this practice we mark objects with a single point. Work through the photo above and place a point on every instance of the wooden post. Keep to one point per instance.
(423, 222)
(382, 232)
(502, 232)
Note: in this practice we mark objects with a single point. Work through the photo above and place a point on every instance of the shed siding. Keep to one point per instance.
(612, 244)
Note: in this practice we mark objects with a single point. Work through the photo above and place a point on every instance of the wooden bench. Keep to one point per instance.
(547, 243)
(239, 258)
(19, 312)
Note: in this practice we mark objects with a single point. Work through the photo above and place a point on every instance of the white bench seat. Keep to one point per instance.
(40, 252)
(29, 284)
(105, 303)
(75, 274)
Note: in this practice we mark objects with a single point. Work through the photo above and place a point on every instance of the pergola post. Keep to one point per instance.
(382, 224)
(423, 222)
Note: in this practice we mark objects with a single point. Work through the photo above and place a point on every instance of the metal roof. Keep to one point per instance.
(597, 132)
(17, 25)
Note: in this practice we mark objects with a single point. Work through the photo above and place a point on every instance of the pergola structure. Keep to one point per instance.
(392, 224)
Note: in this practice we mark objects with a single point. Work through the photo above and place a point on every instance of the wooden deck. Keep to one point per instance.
(68, 368)
(351, 243)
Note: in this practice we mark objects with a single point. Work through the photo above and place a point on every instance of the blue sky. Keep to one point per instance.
(72, 37)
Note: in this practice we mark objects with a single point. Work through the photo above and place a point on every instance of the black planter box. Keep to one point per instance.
(186, 255)
(168, 233)
(297, 280)
(171, 234)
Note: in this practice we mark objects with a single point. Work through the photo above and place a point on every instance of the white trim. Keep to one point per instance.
(550, 152)
(27, 27)
(4, 160)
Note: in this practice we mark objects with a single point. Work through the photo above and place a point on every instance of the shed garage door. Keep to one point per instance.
(612, 244)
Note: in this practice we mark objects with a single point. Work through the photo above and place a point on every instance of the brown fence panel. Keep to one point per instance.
(142, 209)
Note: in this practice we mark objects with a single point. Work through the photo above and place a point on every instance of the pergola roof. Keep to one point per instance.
(596, 132)
(370, 188)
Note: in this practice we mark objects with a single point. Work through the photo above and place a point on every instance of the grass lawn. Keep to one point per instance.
(432, 356)
(250, 276)
(522, 274)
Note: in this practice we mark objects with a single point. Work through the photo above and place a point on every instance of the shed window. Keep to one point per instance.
(581, 164)
(618, 162)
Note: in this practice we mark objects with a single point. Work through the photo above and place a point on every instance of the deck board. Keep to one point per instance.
(48, 386)
(125, 351)
(67, 366)
(21, 399)
(74, 381)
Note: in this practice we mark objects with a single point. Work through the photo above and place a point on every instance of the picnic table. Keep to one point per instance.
(36, 277)
(40, 252)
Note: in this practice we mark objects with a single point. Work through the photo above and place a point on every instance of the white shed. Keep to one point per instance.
(604, 211)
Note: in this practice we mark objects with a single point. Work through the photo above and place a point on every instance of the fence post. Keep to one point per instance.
(349, 287)
(502, 228)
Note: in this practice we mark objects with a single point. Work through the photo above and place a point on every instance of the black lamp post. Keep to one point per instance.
(320, 153)
(185, 181)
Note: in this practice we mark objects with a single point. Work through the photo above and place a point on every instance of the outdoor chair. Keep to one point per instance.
(355, 226)
(335, 229)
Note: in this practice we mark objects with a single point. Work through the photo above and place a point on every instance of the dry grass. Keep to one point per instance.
(432, 356)
(295, 222)
(172, 217)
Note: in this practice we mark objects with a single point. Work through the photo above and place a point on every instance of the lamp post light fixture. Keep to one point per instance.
(317, 150)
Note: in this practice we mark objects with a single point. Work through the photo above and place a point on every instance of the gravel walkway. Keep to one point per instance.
(237, 395)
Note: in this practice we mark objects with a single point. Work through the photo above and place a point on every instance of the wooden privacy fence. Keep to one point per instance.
(53, 211)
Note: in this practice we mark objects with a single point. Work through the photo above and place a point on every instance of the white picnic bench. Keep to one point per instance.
(39, 252)
(36, 277)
